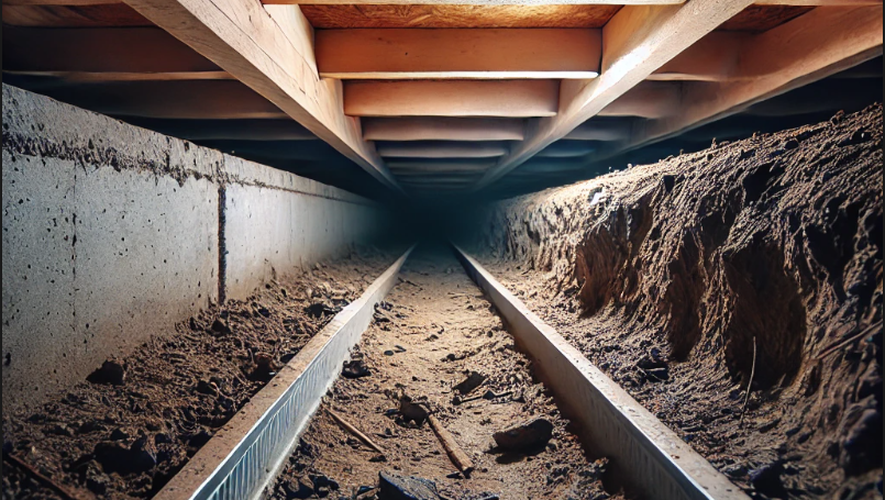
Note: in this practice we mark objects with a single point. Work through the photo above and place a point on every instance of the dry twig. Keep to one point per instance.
(750, 383)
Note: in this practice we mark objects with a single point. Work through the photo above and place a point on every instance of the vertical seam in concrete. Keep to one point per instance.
(222, 244)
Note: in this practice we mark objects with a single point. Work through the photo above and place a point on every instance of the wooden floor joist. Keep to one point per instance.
(442, 149)
(432, 165)
(818, 44)
(503, 98)
(284, 129)
(99, 50)
(169, 99)
(646, 100)
(637, 41)
(243, 39)
(458, 53)
(443, 129)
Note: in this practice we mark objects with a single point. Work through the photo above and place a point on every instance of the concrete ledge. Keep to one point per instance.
(113, 233)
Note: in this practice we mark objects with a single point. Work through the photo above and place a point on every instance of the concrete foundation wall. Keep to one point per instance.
(112, 234)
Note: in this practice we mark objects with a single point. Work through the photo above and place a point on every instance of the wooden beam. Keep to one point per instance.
(711, 59)
(504, 98)
(637, 41)
(443, 128)
(284, 129)
(117, 76)
(432, 165)
(820, 3)
(484, 3)
(567, 149)
(242, 38)
(458, 53)
(70, 3)
(78, 16)
(597, 130)
(486, 15)
(210, 99)
(104, 54)
(646, 100)
(442, 149)
(823, 42)
(434, 173)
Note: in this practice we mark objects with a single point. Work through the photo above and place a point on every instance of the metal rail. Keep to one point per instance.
(649, 455)
(249, 451)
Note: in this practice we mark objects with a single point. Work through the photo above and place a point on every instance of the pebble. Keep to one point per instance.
(523, 437)
(394, 487)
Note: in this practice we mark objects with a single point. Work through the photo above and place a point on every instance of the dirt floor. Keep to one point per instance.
(135, 422)
(433, 330)
(752, 264)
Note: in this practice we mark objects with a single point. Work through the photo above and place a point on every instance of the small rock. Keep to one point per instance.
(534, 434)
(265, 368)
(320, 308)
(389, 353)
(119, 435)
(138, 458)
(767, 480)
(323, 481)
(412, 411)
(298, 488)
(220, 327)
(111, 372)
(61, 430)
(474, 380)
(393, 487)
(862, 446)
(355, 369)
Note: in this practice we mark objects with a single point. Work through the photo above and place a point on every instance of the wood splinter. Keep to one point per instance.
(356, 432)
(456, 454)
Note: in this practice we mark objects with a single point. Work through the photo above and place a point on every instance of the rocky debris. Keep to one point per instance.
(298, 488)
(528, 436)
(263, 369)
(767, 480)
(140, 456)
(355, 368)
(412, 411)
(220, 327)
(474, 380)
(394, 487)
(862, 445)
(322, 308)
(111, 372)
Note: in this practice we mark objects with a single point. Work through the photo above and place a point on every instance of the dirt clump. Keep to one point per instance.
(136, 421)
(751, 266)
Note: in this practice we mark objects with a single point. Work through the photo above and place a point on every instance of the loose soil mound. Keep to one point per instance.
(756, 263)
(135, 422)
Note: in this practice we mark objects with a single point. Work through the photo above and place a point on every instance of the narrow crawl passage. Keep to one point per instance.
(434, 330)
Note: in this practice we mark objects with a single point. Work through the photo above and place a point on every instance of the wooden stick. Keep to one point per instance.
(750, 384)
(31, 471)
(356, 432)
(456, 454)
(842, 343)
